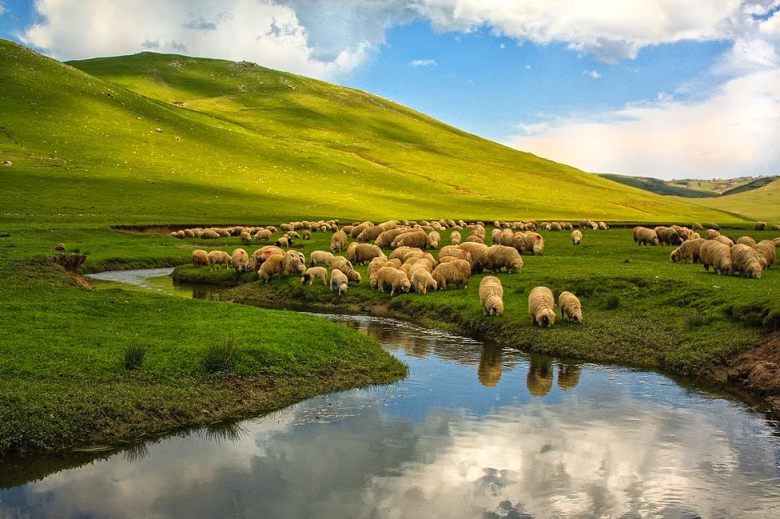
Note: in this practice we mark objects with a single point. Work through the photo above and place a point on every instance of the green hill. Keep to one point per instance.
(761, 203)
(658, 186)
(165, 138)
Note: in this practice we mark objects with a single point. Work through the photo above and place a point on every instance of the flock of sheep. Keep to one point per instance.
(725, 255)
(409, 267)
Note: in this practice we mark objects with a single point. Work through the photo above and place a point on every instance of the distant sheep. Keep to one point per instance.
(576, 237)
(320, 257)
(474, 238)
(417, 239)
(645, 236)
(246, 237)
(338, 241)
(541, 306)
(306, 234)
(240, 260)
(200, 258)
(688, 250)
(570, 307)
(760, 226)
(498, 257)
(455, 237)
(711, 234)
(491, 295)
(313, 273)
(745, 261)
(338, 281)
(284, 241)
(766, 248)
(602, 226)
(394, 278)
(422, 280)
(716, 255)
(433, 239)
(218, 257)
(209, 234)
(455, 273)
(385, 239)
(263, 234)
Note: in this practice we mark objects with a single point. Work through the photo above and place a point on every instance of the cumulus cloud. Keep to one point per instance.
(733, 132)
(422, 63)
(260, 31)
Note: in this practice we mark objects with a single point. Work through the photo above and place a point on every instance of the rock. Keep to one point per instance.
(59, 247)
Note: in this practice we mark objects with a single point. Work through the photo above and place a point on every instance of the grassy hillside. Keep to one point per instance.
(720, 186)
(762, 203)
(658, 186)
(163, 138)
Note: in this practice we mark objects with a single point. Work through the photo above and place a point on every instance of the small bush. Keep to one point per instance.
(134, 356)
(613, 302)
(221, 357)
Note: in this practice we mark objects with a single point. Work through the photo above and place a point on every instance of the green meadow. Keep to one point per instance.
(162, 139)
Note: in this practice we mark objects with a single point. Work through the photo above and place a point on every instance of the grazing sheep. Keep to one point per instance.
(433, 239)
(586, 224)
(455, 272)
(455, 237)
(570, 307)
(711, 234)
(218, 257)
(275, 265)
(667, 236)
(371, 233)
(284, 241)
(776, 242)
(477, 251)
(541, 306)
(716, 255)
(689, 250)
(422, 280)
(315, 273)
(506, 237)
(294, 262)
(745, 261)
(576, 237)
(246, 237)
(384, 240)
(697, 226)
(534, 243)
(495, 236)
(394, 278)
(286, 227)
(338, 241)
(746, 240)
(401, 252)
(345, 266)
(240, 260)
(416, 238)
(306, 234)
(320, 257)
(453, 251)
(263, 234)
(474, 238)
(760, 226)
(766, 248)
(209, 234)
(423, 262)
(497, 257)
(491, 295)
(725, 240)
(200, 258)
(338, 281)
(602, 226)
(265, 252)
(376, 264)
(361, 253)
(645, 236)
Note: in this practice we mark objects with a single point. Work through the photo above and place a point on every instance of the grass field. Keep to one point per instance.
(762, 203)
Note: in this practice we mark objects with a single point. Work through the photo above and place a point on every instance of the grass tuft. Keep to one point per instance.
(134, 356)
(221, 356)
(612, 303)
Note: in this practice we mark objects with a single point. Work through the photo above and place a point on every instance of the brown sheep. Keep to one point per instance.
(422, 280)
(746, 240)
(433, 239)
(275, 265)
(498, 257)
(294, 262)
(541, 306)
(570, 307)
(209, 234)
(491, 295)
(384, 240)
(338, 241)
(320, 257)
(313, 273)
(477, 251)
(265, 252)
(240, 260)
(725, 240)
(602, 226)
(345, 266)
(576, 237)
(697, 226)
(338, 281)
(200, 258)
(376, 264)
(246, 237)
(712, 234)
(306, 234)
(416, 239)
(455, 237)
(218, 257)
(495, 236)
(452, 251)
(394, 278)
(263, 234)
(667, 236)
(766, 248)
(284, 241)
(361, 253)
(716, 255)
(745, 261)
(645, 236)
(534, 243)
(371, 233)
(455, 272)
(688, 250)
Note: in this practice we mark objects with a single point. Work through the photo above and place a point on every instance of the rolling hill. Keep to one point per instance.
(658, 186)
(761, 203)
(154, 138)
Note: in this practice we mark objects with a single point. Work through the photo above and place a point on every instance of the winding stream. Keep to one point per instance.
(474, 431)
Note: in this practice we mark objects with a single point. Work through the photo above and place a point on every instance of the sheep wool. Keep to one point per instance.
(541, 305)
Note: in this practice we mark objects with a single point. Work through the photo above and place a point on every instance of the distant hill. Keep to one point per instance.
(759, 203)
(721, 186)
(167, 138)
(656, 185)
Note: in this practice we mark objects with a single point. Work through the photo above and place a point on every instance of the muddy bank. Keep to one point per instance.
(756, 370)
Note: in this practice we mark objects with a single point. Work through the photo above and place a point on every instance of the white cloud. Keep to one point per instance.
(771, 26)
(422, 63)
(733, 132)
(610, 29)
(2, 8)
(269, 34)
(593, 74)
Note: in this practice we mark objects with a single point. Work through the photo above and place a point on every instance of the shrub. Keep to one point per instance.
(221, 356)
(134, 356)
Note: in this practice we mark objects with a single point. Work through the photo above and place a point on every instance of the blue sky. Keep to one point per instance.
(667, 88)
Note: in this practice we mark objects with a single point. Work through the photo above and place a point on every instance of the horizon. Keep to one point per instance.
(657, 89)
